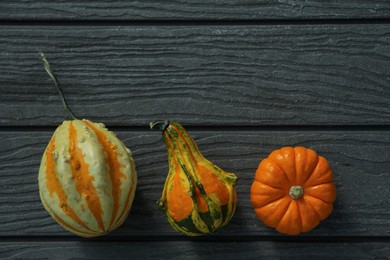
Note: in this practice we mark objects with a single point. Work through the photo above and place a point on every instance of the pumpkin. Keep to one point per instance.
(293, 190)
(87, 176)
(198, 196)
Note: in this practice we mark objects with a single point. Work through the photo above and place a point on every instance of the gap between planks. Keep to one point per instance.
(217, 239)
(191, 22)
(211, 128)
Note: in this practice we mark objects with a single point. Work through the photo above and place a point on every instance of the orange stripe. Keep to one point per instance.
(202, 171)
(125, 210)
(171, 154)
(193, 145)
(200, 200)
(115, 167)
(62, 222)
(210, 181)
(83, 180)
(53, 186)
(181, 205)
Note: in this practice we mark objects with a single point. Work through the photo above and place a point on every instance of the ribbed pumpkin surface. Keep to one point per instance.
(293, 190)
(87, 178)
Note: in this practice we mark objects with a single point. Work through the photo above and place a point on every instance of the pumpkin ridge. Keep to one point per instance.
(285, 211)
(290, 181)
(304, 182)
(324, 164)
(312, 171)
(83, 180)
(295, 179)
(299, 215)
(319, 199)
(284, 173)
(274, 187)
(282, 196)
(58, 189)
(325, 191)
(317, 184)
(287, 225)
(114, 169)
(312, 207)
(295, 170)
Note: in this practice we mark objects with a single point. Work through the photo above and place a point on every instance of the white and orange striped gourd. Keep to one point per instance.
(87, 178)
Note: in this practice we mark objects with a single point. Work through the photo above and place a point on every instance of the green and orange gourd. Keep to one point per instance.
(198, 196)
(87, 177)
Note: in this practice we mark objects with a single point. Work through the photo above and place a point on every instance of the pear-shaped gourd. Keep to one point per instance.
(198, 196)
(87, 177)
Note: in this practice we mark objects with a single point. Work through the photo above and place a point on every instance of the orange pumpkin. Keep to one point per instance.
(293, 190)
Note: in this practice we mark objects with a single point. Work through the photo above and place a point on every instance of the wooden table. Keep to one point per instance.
(244, 77)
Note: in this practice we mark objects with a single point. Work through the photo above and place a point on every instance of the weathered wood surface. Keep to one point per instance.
(360, 161)
(244, 77)
(200, 75)
(194, 250)
(194, 10)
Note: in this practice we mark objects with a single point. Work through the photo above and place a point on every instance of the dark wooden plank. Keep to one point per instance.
(209, 75)
(186, 9)
(193, 250)
(360, 160)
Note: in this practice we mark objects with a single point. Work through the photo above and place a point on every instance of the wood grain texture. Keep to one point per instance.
(360, 161)
(209, 75)
(193, 250)
(186, 9)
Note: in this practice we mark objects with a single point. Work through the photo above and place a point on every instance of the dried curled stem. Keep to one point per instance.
(56, 84)
(159, 124)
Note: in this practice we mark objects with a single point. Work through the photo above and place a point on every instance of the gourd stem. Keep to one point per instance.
(295, 192)
(159, 124)
(56, 84)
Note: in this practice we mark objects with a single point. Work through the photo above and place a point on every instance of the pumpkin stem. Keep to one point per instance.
(159, 124)
(296, 192)
(56, 84)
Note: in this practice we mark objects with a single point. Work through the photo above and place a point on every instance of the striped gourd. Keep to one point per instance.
(87, 178)
(198, 197)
